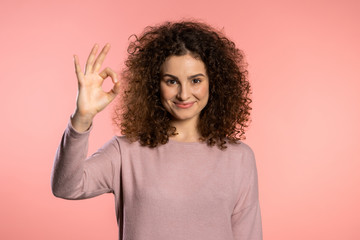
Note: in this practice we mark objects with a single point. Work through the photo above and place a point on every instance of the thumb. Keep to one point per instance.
(114, 91)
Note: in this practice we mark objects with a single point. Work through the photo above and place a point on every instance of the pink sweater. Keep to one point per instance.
(177, 191)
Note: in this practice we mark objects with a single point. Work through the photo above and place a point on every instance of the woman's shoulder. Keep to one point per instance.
(123, 140)
(125, 143)
(242, 152)
(240, 146)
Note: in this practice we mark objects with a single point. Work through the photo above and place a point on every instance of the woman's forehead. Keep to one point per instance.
(183, 64)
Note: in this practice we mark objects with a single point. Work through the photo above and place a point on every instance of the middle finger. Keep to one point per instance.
(100, 59)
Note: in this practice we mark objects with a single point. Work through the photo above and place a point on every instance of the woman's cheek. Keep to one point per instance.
(201, 92)
(169, 93)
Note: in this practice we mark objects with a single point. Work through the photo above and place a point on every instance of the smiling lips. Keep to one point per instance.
(184, 105)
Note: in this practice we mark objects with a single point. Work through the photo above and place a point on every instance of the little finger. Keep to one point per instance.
(78, 71)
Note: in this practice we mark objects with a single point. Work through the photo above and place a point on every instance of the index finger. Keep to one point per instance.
(100, 59)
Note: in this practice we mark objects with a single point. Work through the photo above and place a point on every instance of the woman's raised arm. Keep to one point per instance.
(74, 177)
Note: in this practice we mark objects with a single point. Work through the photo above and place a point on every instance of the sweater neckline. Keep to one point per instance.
(185, 143)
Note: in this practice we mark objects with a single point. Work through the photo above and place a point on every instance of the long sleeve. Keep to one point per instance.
(246, 218)
(75, 177)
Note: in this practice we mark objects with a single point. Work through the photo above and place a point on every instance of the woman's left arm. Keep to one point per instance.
(246, 218)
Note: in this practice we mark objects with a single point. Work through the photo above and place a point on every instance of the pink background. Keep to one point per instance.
(304, 68)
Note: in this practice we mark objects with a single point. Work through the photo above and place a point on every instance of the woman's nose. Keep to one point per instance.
(183, 92)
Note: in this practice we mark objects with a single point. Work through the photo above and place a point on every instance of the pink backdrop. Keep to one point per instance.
(304, 68)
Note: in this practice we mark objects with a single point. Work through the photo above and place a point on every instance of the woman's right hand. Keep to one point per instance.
(91, 98)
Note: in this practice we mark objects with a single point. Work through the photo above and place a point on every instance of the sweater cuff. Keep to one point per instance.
(75, 133)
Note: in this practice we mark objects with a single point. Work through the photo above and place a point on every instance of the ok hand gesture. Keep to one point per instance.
(91, 98)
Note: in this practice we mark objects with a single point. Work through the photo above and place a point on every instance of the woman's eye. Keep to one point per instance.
(171, 81)
(196, 80)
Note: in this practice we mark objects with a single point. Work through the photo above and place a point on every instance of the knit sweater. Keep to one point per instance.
(176, 191)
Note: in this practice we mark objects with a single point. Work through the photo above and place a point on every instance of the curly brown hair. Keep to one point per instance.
(140, 114)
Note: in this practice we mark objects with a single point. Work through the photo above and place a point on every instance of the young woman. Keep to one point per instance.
(180, 170)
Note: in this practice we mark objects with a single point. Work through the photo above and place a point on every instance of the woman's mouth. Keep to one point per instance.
(184, 105)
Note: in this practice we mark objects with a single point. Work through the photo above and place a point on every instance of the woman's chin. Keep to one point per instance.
(184, 117)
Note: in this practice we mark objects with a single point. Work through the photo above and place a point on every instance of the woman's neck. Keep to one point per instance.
(187, 131)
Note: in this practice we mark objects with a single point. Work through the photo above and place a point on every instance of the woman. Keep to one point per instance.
(180, 170)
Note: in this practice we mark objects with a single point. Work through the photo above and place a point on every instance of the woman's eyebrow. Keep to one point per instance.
(196, 75)
(190, 77)
(169, 75)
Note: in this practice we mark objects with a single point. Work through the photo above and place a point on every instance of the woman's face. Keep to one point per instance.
(184, 87)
